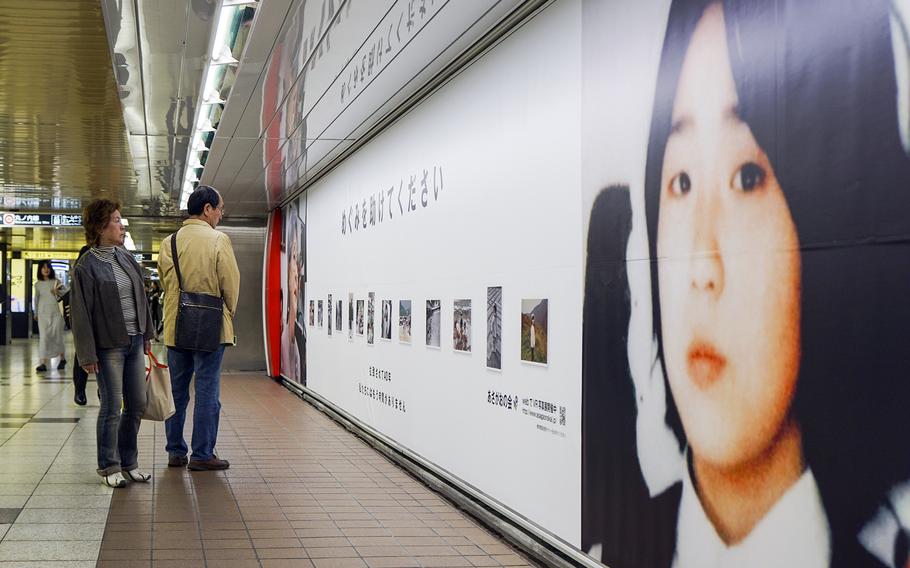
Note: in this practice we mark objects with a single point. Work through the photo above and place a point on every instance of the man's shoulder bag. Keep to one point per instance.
(199, 316)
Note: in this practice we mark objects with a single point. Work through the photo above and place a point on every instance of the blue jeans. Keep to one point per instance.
(207, 408)
(121, 380)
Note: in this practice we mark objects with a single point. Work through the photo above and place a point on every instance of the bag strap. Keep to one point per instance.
(176, 259)
(153, 362)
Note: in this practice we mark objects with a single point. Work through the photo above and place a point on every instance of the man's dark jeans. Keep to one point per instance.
(121, 378)
(183, 363)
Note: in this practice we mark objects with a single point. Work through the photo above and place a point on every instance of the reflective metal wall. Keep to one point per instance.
(249, 243)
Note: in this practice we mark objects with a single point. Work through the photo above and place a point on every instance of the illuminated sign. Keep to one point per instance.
(66, 220)
(40, 220)
(49, 255)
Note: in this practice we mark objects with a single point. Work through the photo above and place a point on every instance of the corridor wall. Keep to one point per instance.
(638, 274)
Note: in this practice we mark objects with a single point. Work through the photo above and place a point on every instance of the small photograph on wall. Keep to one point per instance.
(338, 316)
(329, 314)
(404, 321)
(319, 312)
(312, 313)
(461, 325)
(359, 317)
(350, 315)
(371, 316)
(534, 331)
(494, 327)
(386, 320)
(434, 329)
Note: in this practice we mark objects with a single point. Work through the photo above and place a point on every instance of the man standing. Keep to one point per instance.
(208, 266)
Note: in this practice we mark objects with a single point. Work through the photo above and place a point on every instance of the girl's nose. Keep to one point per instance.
(706, 266)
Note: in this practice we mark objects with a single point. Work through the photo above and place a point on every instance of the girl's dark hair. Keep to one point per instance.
(617, 512)
(95, 217)
(816, 85)
(47, 263)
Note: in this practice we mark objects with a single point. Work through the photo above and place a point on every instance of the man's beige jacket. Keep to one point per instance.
(207, 265)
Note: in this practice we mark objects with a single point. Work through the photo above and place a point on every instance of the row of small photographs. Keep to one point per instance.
(534, 319)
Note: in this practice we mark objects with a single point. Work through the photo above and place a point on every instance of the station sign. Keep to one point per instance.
(40, 220)
(49, 255)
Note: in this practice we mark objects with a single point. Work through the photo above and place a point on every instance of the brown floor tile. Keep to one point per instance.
(482, 561)
(268, 525)
(121, 554)
(286, 563)
(431, 550)
(374, 541)
(443, 561)
(228, 544)
(386, 550)
(233, 563)
(468, 550)
(333, 552)
(509, 559)
(259, 543)
(318, 542)
(214, 534)
(272, 533)
(181, 563)
(339, 563)
(496, 548)
(282, 553)
(178, 554)
(392, 562)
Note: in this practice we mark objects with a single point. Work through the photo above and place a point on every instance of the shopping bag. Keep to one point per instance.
(160, 404)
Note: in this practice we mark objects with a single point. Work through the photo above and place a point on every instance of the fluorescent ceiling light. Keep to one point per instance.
(222, 48)
(199, 143)
(232, 14)
(195, 162)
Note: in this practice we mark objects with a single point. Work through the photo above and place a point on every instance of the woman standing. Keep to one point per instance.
(111, 337)
(48, 316)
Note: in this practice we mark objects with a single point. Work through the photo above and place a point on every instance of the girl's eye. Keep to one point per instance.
(748, 177)
(681, 184)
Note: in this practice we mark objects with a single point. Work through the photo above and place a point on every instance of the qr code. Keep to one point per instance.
(562, 415)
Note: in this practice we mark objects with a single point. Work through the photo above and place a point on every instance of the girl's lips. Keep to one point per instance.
(704, 363)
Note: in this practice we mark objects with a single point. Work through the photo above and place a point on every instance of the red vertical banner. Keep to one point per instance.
(271, 293)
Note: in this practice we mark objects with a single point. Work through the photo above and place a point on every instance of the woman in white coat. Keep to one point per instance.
(50, 320)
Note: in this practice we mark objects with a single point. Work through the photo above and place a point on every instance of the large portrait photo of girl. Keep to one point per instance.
(746, 354)
(293, 328)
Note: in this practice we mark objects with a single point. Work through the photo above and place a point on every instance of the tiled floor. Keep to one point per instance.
(301, 491)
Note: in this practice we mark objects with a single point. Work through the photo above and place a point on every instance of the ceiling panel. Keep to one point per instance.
(234, 158)
(62, 132)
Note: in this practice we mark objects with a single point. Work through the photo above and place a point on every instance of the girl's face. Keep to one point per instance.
(729, 266)
(45, 270)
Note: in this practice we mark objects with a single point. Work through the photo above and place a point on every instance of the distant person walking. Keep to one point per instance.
(207, 266)
(112, 329)
(80, 377)
(154, 294)
(50, 321)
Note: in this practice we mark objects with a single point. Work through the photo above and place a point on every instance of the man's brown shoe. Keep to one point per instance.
(177, 461)
(210, 464)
